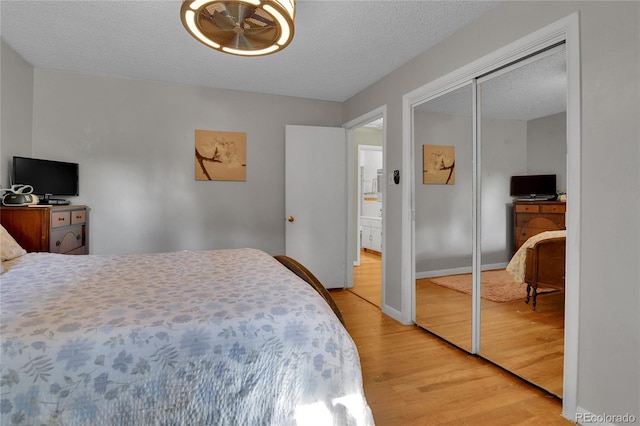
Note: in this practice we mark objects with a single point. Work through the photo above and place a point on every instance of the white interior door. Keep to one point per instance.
(316, 201)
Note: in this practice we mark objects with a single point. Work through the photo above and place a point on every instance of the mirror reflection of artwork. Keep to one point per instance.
(221, 155)
(438, 165)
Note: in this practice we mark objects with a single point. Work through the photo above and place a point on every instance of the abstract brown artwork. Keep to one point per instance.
(438, 164)
(221, 155)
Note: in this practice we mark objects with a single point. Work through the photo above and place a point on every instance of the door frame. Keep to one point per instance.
(567, 30)
(353, 191)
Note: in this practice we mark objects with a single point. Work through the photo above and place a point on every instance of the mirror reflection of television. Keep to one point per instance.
(533, 187)
(48, 178)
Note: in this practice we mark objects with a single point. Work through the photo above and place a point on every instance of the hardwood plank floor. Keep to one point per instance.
(526, 342)
(412, 377)
(367, 277)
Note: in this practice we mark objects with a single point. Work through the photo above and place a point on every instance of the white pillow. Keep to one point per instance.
(8, 246)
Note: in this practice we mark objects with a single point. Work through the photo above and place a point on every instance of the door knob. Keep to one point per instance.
(291, 218)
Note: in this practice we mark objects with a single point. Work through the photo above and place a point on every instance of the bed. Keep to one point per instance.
(227, 337)
(540, 262)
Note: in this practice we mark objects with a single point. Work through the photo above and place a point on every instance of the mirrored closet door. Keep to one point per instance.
(467, 230)
(522, 111)
(443, 147)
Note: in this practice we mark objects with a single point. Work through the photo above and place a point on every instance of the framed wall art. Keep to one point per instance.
(438, 165)
(220, 155)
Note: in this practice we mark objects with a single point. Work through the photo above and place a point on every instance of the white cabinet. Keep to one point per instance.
(371, 233)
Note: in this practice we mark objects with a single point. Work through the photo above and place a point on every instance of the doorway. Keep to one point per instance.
(367, 272)
(366, 139)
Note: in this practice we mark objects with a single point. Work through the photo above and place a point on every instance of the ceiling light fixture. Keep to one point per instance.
(240, 27)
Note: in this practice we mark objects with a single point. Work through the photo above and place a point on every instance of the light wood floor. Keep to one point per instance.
(367, 277)
(526, 342)
(412, 377)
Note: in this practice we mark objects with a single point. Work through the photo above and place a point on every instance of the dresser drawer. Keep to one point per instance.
(553, 208)
(546, 219)
(59, 219)
(520, 241)
(548, 222)
(78, 217)
(527, 208)
(66, 240)
(524, 219)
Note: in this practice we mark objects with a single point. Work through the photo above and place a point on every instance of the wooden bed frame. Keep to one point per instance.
(300, 270)
(545, 266)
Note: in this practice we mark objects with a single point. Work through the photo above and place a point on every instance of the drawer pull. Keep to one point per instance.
(78, 237)
(58, 243)
(61, 219)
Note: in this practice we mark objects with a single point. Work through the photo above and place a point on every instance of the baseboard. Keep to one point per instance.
(457, 271)
(372, 251)
(394, 313)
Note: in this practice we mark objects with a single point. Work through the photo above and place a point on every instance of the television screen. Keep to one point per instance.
(48, 178)
(533, 186)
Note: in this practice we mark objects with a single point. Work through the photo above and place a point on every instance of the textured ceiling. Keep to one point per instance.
(339, 47)
(537, 88)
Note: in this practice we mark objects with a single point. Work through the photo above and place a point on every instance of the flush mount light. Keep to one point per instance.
(240, 27)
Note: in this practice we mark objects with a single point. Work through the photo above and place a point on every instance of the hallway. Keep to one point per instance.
(367, 278)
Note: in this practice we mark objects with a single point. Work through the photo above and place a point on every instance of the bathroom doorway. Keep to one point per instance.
(367, 270)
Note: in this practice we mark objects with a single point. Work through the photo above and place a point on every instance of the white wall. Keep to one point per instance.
(547, 147)
(16, 109)
(504, 145)
(134, 141)
(443, 218)
(609, 352)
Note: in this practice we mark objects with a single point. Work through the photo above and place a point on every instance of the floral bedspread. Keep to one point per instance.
(221, 337)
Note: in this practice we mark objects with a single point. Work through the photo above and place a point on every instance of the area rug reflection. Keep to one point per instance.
(497, 285)
(184, 338)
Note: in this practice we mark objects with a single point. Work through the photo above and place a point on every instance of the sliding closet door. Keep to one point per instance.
(443, 147)
(522, 131)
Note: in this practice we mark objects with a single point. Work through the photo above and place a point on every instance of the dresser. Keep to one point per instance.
(533, 217)
(54, 229)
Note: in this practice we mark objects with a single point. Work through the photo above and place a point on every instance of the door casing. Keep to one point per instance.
(380, 112)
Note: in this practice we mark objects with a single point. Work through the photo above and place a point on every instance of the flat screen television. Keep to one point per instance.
(48, 178)
(533, 187)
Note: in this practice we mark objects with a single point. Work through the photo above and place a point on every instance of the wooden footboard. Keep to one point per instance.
(545, 266)
(301, 271)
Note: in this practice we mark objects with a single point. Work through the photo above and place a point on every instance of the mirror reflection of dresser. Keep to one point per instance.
(533, 217)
